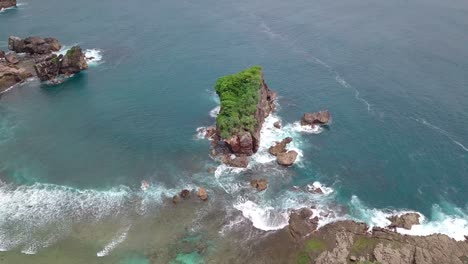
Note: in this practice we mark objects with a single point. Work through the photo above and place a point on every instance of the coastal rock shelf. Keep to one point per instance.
(246, 101)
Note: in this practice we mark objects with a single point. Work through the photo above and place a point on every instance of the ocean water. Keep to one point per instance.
(394, 75)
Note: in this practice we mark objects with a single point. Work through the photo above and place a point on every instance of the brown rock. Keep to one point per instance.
(185, 193)
(300, 223)
(176, 199)
(54, 44)
(260, 184)
(405, 221)
(73, 61)
(321, 118)
(7, 3)
(2, 54)
(11, 58)
(277, 124)
(202, 194)
(48, 68)
(287, 158)
(280, 147)
(210, 132)
(11, 75)
(233, 161)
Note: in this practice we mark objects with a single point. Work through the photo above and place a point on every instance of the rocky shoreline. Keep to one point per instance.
(34, 57)
(7, 4)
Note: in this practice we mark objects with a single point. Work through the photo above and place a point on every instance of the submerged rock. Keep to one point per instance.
(202, 194)
(405, 221)
(277, 124)
(260, 184)
(317, 118)
(7, 3)
(33, 45)
(287, 158)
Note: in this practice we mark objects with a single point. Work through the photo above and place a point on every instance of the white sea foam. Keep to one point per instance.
(29, 214)
(453, 225)
(317, 185)
(201, 133)
(263, 217)
(117, 240)
(215, 111)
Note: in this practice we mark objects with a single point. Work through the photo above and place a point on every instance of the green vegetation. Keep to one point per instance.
(315, 245)
(238, 94)
(303, 258)
(364, 244)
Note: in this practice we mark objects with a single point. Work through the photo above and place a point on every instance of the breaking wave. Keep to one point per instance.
(115, 242)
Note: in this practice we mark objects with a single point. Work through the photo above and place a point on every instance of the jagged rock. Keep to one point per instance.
(260, 184)
(286, 158)
(210, 132)
(277, 124)
(321, 118)
(280, 147)
(301, 224)
(241, 144)
(11, 58)
(48, 68)
(73, 61)
(405, 221)
(2, 54)
(185, 193)
(33, 45)
(11, 75)
(202, 194)
(233, 161)
(7, 3)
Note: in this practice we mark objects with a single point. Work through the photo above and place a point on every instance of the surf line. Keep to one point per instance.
(440, 131)
(308, 57)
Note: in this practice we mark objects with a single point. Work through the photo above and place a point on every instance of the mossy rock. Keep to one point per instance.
(315, 245)
(303, 258)
(364, 244)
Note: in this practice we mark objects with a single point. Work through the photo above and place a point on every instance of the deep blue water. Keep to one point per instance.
(394, 75)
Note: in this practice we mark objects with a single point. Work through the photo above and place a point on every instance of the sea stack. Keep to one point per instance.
(7, 3)
(246, 101)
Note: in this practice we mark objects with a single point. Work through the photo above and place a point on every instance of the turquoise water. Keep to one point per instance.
(392, 73)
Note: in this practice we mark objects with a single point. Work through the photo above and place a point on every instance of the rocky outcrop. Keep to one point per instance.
(234, 161)
(405, 221)
(33, 45)
(7, 3)
(287, 158)
(73, 61)
(277, 124)
(318, 118)
(11, 58)
(260, 184)
(52, 66)
(11, 75)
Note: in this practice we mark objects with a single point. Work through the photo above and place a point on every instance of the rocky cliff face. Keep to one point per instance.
(247, 143)
(7, 3)
(33, 45)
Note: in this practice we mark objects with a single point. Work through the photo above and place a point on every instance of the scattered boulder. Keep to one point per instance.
(11, 75)
(73, 61)
(233, 161)
(185, 193)
(33, 45)
(287, 158)
(11, 58)
(280, 147)
(202, 194)
(277, 124)
(260, 184)
(405, 221)
(7, 3)
(317, 118)
(301, 224)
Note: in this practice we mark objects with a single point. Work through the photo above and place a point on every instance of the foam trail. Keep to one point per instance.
(308, 57)
(115, 242)
(441, 131)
